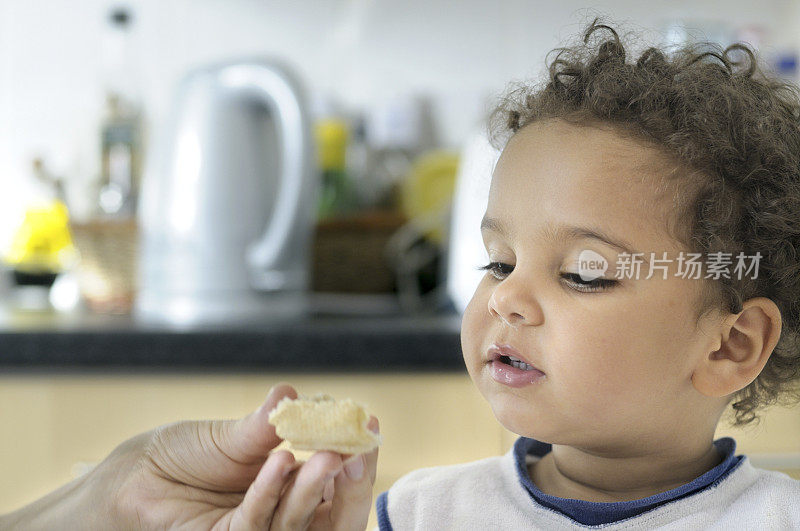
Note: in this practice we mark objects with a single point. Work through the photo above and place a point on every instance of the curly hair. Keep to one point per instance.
(730, 136)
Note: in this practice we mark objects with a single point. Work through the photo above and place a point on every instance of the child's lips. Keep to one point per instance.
(496, 351)
(513, 376)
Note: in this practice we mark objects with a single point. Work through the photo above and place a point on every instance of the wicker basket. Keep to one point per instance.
(108, 263)
(349, 253)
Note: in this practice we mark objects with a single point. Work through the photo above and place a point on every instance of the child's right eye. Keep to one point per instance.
(499, 270)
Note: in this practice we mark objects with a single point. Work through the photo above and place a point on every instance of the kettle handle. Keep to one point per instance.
(280, 93)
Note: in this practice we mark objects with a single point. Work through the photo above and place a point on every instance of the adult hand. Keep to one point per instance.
(221, 475)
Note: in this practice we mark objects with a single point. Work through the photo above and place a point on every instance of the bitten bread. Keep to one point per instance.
(321, 422)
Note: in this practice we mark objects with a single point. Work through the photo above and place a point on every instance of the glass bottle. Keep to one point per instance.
(121, 127)
(121, 159)
(337, 196)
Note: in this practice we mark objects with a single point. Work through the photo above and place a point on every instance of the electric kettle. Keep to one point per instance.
(227, 207)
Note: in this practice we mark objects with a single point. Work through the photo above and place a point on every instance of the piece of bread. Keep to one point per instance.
(321, 422)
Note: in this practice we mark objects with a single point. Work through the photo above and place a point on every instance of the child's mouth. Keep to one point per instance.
(515, 362)
(514, 373)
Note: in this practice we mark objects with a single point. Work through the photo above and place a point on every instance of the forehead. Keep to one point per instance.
(557, 173)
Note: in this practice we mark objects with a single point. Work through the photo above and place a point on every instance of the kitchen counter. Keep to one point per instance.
(365, 339)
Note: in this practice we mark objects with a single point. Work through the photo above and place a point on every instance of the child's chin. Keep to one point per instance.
(508, 414)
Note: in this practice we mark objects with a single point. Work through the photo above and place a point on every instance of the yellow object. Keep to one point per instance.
(427, 192)
(331, 135)
(323, 423)
(42, 244)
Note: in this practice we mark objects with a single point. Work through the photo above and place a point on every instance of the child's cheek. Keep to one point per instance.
(474, 324)
(477, 314)
(597, 355)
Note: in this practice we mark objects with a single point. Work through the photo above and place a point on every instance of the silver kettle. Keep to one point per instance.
(228, 205)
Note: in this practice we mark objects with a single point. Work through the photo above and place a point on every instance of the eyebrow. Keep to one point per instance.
(571, 232)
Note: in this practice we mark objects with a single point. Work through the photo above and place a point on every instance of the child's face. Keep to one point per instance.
(617, 361)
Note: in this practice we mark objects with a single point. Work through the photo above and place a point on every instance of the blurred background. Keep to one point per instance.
(196, 194)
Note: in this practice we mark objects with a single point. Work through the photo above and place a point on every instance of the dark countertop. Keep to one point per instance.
(367, 341)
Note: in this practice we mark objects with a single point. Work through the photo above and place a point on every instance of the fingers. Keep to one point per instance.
(258, 506)
(322, 493)
(352, 490)
(217, 455)
(301, 498)
(251, 438)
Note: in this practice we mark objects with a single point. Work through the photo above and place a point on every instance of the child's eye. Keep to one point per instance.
(500, 271)
(597, 284)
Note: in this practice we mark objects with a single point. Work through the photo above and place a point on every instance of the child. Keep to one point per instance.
(615, 377)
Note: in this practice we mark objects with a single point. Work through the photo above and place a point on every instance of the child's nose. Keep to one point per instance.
(513, 304)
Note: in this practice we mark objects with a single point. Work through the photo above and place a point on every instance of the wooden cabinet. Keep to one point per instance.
(54, 425)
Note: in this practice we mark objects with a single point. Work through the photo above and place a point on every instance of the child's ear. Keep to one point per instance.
(746, 343)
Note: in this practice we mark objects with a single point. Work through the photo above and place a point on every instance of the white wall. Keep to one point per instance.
(363, 51)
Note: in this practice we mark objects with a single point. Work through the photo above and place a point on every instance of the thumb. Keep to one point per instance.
(217, 454)
(251, 438)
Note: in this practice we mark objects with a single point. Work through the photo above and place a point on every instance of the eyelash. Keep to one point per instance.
(598, 284)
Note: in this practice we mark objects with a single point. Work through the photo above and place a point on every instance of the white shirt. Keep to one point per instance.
(490, 494)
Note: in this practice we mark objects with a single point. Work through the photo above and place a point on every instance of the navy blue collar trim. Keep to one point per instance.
(594, 513)
(382, 509)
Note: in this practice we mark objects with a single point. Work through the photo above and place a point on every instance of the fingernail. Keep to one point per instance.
(355, 468)
(376, 428)
(327, 494)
